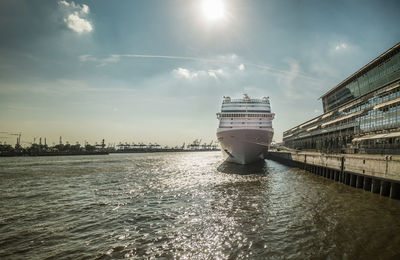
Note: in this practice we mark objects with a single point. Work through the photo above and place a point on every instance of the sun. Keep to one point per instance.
(213, 9)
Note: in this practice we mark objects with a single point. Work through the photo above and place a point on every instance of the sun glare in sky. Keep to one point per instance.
(213, 9)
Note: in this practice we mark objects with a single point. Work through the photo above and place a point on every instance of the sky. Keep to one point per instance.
(156, 71)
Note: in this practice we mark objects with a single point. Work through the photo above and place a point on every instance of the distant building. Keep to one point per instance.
(361, 114)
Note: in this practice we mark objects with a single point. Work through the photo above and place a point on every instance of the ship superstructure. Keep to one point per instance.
(245, 128)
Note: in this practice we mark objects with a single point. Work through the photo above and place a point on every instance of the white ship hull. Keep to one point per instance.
(244, 145)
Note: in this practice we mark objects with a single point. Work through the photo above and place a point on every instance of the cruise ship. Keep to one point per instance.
(245, 129)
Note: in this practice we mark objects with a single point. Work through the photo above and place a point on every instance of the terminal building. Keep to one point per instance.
(361, 114)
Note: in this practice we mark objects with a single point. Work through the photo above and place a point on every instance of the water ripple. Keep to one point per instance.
(185, 205)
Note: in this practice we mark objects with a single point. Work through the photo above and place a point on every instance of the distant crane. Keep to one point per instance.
(15, 134)
(195, 145)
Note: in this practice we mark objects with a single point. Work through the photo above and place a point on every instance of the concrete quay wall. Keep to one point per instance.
(374, 173)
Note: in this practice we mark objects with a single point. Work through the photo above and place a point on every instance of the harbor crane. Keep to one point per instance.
(195, 145)
(14, 134)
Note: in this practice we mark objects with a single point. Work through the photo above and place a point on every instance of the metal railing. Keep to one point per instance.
(245, 101)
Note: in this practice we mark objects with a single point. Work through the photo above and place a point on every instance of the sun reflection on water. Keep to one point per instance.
(184, 205)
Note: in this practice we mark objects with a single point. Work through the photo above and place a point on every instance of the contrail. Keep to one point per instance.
(116, 57)
(168, 57)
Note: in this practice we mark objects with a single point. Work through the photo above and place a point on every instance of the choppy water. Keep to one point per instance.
(186, 205)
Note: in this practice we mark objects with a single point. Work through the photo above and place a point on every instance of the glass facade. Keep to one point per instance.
(383, 73)
(360, 116)
(378, 113)
(384, 117)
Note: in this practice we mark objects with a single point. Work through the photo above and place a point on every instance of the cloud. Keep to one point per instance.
(232, 61)
(100, 61)
(286, 80)
(65, 3)
(85, 9)
(184, 73)
(187, 74)
(76, 17)
(78, 24)
(116, 57)
(341, 46)
(215, 73)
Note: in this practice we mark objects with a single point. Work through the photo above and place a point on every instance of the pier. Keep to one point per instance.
(356, 141)
(375, 173)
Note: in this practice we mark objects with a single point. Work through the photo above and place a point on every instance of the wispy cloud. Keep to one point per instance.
(287, 80)
(100, 61)
(119, 56)
(187, 74)
(76, 17)
(230, 60)
(215, 73)
(184, 73)
(341, 46)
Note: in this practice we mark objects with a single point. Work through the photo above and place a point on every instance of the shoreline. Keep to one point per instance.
(101, 152)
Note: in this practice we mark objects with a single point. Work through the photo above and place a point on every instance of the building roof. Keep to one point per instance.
(364, 69)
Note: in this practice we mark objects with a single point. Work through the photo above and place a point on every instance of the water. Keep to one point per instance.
(186, 206)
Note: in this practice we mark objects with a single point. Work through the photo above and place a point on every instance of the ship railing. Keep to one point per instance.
(267, 115)
(245, 101)
(244, 126)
